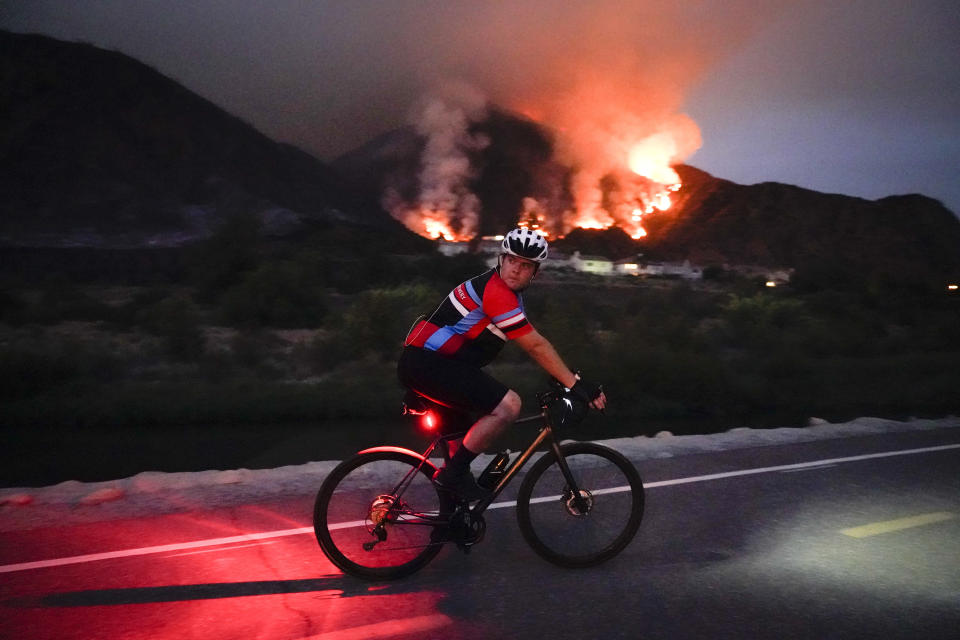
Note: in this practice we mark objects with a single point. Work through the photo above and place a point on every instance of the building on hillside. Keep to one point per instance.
(448, 248)
(596, 265)
(637, 267)
(627, 266)
(592, 264)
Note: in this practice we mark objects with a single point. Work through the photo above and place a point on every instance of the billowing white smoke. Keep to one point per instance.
(607, 77)
(446, 204)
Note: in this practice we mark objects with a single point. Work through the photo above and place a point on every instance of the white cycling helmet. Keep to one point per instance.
(525, 243)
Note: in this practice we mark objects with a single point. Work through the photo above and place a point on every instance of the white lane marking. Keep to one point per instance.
(817, 468)
(800, 465)
(178, 546)
(126, 553)
(219, 549)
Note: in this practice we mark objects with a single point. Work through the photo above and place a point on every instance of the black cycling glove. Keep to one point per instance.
(586, 391)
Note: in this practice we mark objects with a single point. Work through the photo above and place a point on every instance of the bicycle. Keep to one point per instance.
(378, 515)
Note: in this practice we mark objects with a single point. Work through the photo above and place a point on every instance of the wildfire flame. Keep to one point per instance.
(651, 157)
(533, 216)
(626, 176)
(434, 224)
(642, 190)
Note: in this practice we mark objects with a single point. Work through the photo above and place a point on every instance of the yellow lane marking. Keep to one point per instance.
(876, 528)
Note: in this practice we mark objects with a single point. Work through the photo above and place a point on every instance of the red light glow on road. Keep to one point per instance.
(189, 580)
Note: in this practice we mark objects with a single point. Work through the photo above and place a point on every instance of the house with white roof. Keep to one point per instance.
(592, 264)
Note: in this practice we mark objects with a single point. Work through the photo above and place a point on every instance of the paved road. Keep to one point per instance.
(861, 546)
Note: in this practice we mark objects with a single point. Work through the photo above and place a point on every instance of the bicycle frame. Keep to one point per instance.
(408, 504)
(545, 434)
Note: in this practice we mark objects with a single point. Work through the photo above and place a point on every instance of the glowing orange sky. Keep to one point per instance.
(860, 97)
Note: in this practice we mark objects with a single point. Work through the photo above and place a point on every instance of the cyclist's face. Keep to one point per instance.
(517, 272)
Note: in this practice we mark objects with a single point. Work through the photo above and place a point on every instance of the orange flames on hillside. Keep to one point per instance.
(644, 187)
(430, 223)
(620, 164)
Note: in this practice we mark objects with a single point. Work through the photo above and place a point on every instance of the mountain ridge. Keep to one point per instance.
(101, 145)
(101, 150)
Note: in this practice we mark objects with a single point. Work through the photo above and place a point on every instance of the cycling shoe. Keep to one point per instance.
(463, 486)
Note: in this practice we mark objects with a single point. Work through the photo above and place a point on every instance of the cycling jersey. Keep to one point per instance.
(474, 321)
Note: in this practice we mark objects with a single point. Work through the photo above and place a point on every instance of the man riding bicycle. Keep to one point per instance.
(444, 355)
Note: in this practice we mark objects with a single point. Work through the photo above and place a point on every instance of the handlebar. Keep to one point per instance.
(562, 407)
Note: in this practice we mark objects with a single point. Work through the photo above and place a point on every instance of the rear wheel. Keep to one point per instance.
(375, 513)
(587, 527)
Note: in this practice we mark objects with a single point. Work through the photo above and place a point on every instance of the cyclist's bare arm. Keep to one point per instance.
(543, 353)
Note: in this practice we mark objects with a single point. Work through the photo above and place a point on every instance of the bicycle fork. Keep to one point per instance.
(578, 501)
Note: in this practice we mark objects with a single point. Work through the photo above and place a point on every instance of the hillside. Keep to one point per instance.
(908, 238)
(98, 149)
(516, 164)
(102, 151)
(898, 238)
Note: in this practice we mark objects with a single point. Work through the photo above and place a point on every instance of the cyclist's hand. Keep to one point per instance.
(590, 393)
(600, 403)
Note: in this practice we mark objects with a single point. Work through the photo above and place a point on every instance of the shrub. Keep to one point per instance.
(378, 320)
(177, 320)
(275, 294)
(223, 259)
(30, 368)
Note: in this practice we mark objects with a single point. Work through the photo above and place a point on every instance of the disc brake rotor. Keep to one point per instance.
(578, 506)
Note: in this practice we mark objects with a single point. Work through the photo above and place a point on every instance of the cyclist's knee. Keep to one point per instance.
(509, 407)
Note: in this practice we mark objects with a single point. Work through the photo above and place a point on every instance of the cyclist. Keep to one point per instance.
(444, 354)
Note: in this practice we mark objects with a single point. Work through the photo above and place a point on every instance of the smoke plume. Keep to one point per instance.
(446, 205)
(607, 76)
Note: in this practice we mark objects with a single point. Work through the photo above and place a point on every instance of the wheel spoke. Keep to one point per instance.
(352, 501)
(591, 527)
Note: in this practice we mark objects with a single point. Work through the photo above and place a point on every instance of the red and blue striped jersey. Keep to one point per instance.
(474, 321)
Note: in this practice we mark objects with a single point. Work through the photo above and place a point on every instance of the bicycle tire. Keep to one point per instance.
(557, 530)
(343, 507)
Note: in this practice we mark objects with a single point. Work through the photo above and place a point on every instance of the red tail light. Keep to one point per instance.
(429, 421)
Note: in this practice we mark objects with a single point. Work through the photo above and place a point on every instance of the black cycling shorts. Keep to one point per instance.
(450, 382)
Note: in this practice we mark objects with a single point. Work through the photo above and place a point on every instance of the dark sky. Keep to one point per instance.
(859, 97)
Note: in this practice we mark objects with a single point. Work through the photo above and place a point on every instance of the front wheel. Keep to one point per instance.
(590, 525)
(375, 513)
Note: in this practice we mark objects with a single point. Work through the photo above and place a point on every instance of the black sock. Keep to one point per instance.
(460, 461)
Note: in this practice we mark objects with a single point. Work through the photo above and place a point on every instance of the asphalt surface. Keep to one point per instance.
(847, 538)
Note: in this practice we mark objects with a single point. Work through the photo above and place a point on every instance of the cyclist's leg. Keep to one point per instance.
(455, 474)
(467, 388)
(488, 428)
